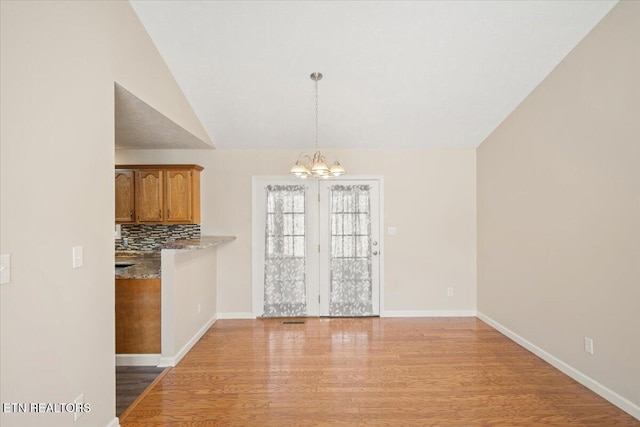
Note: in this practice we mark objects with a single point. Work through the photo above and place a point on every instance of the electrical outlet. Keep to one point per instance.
(5, 269)
(78, 257)
(449, 291)
(78, 402)
(588, 345)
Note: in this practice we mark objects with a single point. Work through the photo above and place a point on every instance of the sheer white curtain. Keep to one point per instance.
(285, 281)
(351, 278)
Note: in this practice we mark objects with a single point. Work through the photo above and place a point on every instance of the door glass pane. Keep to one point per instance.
(285, 281)
(350, 292)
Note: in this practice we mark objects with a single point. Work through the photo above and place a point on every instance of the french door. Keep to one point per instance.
(316, 247)
(350, 232)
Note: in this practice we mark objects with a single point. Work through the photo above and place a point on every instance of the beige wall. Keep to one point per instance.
(429, 195)
(59, 61)
(559, 209)
(188, 281)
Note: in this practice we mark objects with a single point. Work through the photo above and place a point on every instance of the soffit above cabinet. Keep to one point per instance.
(139, 126)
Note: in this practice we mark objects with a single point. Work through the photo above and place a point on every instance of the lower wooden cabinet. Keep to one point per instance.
(138, 316)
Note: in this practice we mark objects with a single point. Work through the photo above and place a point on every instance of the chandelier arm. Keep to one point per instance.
(335, 156)
(305, 158)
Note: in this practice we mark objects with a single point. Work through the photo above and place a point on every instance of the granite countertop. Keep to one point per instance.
(146, 264)
(201, 243)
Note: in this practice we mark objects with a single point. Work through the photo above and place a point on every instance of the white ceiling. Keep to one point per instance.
(432, 74)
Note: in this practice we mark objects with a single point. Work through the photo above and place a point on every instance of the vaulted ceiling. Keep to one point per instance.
(403, 74)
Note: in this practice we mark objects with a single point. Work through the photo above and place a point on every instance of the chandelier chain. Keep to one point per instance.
(316, 115)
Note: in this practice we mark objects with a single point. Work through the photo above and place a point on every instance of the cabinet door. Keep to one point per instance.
(138, 316)
(149, 196)
(125, 196)
(179, 196)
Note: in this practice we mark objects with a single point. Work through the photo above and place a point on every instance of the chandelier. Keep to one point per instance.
(316, 165)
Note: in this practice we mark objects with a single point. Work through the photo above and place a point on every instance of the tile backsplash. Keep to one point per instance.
(147, 237)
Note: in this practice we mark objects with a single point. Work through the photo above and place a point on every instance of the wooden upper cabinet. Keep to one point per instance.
(149, 197)
(167, 194)
(179, 206)
(125, 196)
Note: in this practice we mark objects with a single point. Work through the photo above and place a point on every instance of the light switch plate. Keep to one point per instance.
(78, 257)
(78, 401)
(5, 269)
(588, 345)
(392, 231)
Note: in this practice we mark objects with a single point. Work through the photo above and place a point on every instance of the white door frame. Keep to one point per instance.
(313, 268)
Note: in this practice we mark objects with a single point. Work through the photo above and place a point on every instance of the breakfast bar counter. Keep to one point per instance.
(165, 298)
(147, 265)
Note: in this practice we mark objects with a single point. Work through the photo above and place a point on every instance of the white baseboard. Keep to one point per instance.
(166, 361)
(429, 313)
(137, 359)
(610, 395)
(237, 315)
(114, 422)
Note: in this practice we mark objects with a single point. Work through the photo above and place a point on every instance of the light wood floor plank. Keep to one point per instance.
(367, 372)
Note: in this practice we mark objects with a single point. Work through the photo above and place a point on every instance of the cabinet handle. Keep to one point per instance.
(131, 214)
(168, 213)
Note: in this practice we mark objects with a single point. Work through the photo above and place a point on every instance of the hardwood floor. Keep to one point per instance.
(131, 382)
(369, 372)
